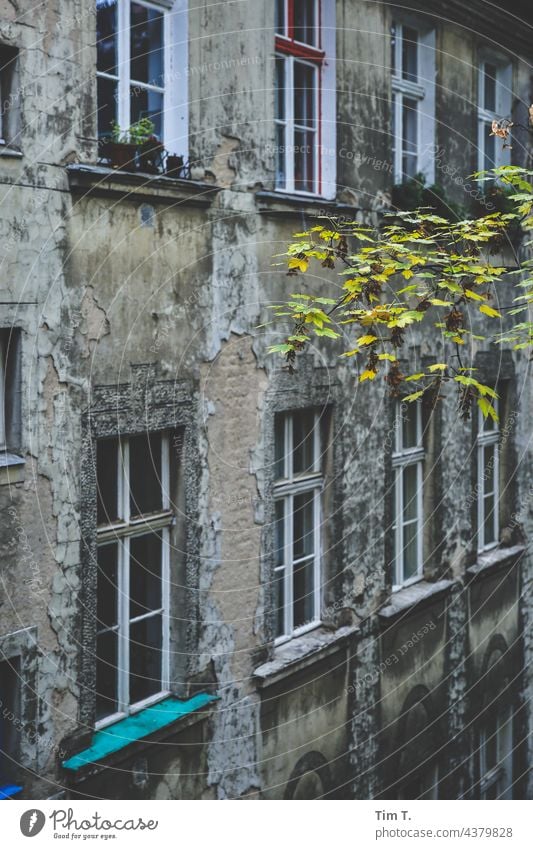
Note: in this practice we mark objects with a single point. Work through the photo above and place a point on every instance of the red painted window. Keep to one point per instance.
(299, 60)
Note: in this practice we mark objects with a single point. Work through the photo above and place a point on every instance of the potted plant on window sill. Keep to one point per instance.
(135, 149)
(119, 149)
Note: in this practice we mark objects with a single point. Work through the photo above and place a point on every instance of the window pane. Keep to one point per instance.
(409, 54)
(305, 26)
(147, 104)
(393, 37)
(303, 424)
(280, 447)
(489, 147)
(489, 460)
(280, 88)
(304, 161)
(107, 588)
(410, 551)
(409, 414)
(106, 36)
(107, 481)
(281, 147)
(145, 658)
(279, 550)
(280, 17)
(489, 522)
(410, 145)
(303, 592)
(410, 487)
(9, 719)
(279, 589)
(146, 45)
(107, 105)
(106, 674)
(303, 524)
(304, 95)
(145, 474)
(145, 574)
(489, 87)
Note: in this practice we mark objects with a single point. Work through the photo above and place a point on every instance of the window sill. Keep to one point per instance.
(7, 791)
(495, 559)
(11, 468)
(100, 181)
(301, 652)
(285, 203)
(10, 152)
(136, 728)
(416, 595)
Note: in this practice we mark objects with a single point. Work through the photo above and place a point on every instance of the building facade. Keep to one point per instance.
(218, 579)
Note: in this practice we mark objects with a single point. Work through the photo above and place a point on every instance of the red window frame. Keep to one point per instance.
(288, 46)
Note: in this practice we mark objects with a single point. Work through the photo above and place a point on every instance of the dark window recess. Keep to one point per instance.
(9, 95)
(9, 720)
(107, 478)
(10, 389)
(145, 474)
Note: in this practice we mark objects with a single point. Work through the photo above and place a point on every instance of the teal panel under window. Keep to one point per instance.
(119, 735)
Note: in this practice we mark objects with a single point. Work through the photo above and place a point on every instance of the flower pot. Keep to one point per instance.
(151, 156)
(173, 165)
(122, 156)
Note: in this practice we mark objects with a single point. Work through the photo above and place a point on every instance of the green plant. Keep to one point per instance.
(138, 133)
(414, 194)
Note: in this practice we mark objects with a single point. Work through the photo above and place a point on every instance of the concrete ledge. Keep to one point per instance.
(300, 653)
(281, 203)
(99, 181)
(136, 728)
(12, 468)
(413, 596)
(497, 558)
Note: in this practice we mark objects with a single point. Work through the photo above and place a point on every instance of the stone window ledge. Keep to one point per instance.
(282, 203)
(497, 558)
(414, 596)
(100, 181)
(10, 152)
(11, 468)
(114, 742)
(300, 653)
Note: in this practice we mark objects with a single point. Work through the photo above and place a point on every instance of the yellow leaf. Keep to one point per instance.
(458, 340)
(367, 375)
(301, 264)
(487, 409)
(390, 357)
(437, 302)
(490, 311)
(473, 295)
(438, 367)
(366, 340)
(407, 274)
(416, 376)
(351, 353)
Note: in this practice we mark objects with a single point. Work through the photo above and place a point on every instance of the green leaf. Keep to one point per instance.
(414, 396)
(487, 409)
(438, 367)
(416, 376)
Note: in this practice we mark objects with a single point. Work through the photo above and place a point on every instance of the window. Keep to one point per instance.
(488, 487)
(136, 67)
(8, 94)
(305, 96)
(298, 517)
(408, 470)
(494, 102)
(134, 519)
(9, 389)
(496, 757)
(10, 722)
(413, 101)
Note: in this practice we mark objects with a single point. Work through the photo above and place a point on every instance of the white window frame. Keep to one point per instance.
(120, 533)
(422, 92)
(285, 490)
(325, 153)
(402, 459)
(503, 107)
(502, 773)
(175, 68)
(487, 438)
